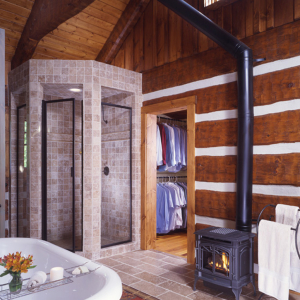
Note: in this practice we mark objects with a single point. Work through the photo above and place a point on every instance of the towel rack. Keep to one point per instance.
(295, 229)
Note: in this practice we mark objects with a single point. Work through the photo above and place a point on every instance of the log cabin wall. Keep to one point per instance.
(161, 37)
(177, 61)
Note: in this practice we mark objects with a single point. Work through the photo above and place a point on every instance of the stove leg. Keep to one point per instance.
(254, 288)
(195, 282)
(237, 293)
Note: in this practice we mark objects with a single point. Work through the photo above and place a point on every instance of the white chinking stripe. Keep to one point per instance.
(272, 190)
(226, 78)
(282, 148)
(216, 115)
(262, 110)
(196, 85)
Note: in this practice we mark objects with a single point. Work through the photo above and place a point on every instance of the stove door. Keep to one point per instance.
(215, 259)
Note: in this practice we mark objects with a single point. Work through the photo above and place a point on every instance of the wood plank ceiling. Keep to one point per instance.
(81, 37)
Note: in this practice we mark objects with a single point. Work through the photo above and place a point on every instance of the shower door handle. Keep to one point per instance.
(72, 172)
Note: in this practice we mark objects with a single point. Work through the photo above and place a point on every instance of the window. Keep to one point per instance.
(209, 2)
(25, 144)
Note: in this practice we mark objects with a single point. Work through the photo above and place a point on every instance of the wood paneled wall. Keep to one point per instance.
(272, 31)
(161, 37)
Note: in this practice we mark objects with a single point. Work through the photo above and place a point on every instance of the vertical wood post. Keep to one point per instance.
(191, 183)
(148, 206)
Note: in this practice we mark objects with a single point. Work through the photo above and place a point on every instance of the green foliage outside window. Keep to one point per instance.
(25, 144)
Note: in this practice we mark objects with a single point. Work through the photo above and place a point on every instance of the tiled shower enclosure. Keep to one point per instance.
(31, 83)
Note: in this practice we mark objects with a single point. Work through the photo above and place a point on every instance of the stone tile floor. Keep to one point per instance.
(168, 277)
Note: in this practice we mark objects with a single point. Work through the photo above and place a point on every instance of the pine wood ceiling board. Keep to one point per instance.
(11, 17)
(55, 40)
(76, 38)
(9, 48)
(9, 52)
(57, 46)
(10, 25)
(38, 55)
(83, 32)
(75, 21)
(55, 54)
(95, 21)
(23, 3)
(116, 4)
(125, 25)
(45, 16)
(16, 9)
(98, 4)
(8, 56)
(101, 14)
(12, 34)
(10, 41)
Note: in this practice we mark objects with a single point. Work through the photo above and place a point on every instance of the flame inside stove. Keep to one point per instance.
(224, 265)
(225, 261)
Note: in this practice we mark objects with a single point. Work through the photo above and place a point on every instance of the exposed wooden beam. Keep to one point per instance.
(45, 16)
(124, 26)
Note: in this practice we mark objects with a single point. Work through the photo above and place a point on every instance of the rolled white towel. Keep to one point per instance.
(36, 279)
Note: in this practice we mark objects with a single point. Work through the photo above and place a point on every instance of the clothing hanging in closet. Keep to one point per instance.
(171, 148)
(171, 206)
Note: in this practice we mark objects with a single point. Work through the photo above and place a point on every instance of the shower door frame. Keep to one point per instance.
(44, 168)
(130, 172)
(17, 164)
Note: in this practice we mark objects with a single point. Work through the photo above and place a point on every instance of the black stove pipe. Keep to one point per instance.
(243, 54)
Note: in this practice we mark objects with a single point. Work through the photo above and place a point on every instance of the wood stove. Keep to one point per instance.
(224, 258)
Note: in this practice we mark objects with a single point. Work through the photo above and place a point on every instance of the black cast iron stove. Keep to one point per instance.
(224, 258)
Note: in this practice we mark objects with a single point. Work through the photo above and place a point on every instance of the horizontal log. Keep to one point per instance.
(216, 168)
(283, 169)
(200, 226)
(268, 88)
(268, 129)
(222, 205)
(215, 204)
(216, 133)
(274, 44)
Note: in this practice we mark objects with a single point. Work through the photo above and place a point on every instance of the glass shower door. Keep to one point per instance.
(116, 182)
(62, 174)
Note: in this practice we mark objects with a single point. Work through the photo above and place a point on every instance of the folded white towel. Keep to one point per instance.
(36, 279)
(274, 259)
(289, 215)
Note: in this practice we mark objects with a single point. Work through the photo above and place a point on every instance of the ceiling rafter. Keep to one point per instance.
(45, 16)
(124, 26)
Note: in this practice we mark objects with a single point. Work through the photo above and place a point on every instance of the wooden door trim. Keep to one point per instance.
(148, 170)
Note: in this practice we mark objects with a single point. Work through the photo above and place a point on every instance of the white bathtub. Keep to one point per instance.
(104, 283)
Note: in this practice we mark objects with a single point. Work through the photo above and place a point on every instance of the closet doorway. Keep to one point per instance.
(149, 171)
